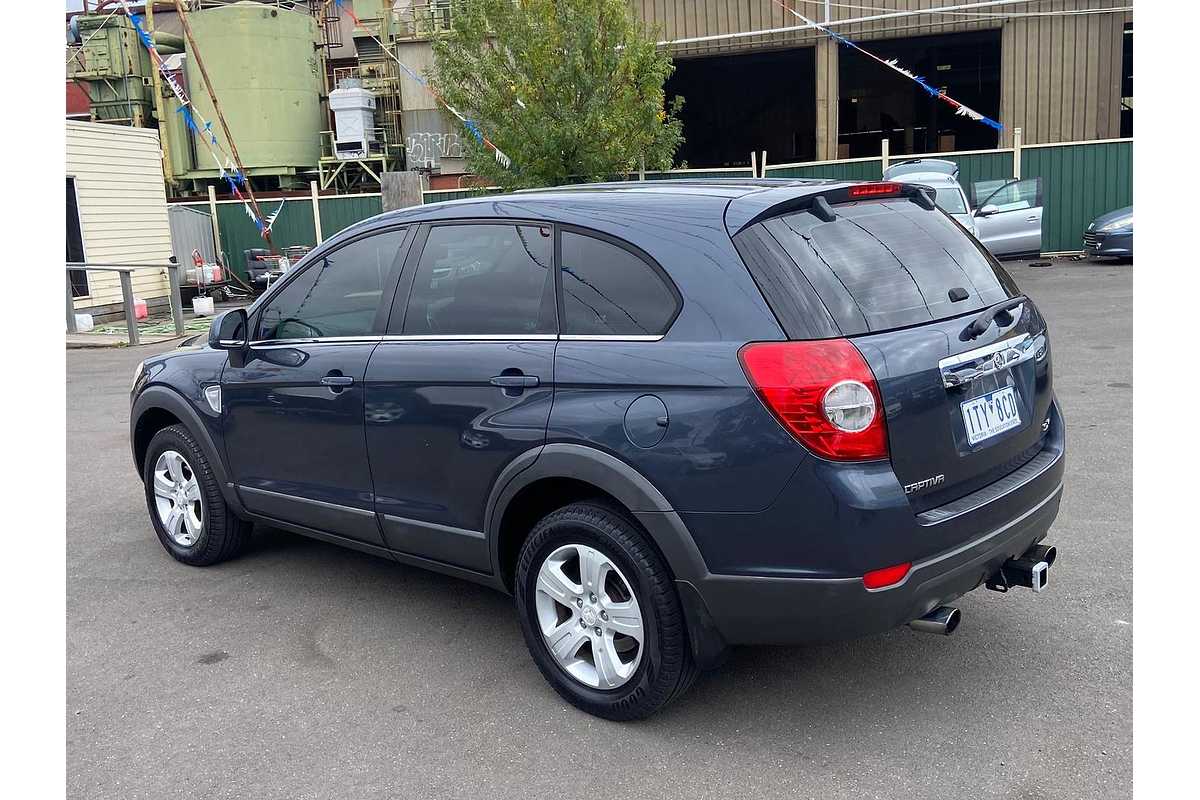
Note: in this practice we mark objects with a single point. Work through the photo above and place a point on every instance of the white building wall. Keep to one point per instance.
(122, 207)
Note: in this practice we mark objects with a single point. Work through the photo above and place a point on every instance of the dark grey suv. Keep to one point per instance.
(667, 417)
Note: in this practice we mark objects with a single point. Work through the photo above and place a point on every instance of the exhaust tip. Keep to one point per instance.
(943, 620)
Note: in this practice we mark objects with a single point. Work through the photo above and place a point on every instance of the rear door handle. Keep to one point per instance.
(515, 381)
(337, 380)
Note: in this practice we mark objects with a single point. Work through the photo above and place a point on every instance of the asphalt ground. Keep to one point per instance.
(303, 670)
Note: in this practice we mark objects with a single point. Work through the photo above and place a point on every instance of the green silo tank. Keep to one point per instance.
(264, 68)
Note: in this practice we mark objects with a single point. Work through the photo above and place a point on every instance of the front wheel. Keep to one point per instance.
(600, 613)
(185, 502)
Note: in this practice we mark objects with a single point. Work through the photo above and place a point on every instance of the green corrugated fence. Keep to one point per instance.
(1079, 183)
(858, 169)
(293, 226)
(1080, 180)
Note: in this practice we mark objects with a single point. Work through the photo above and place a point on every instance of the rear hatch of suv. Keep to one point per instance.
(961, 359)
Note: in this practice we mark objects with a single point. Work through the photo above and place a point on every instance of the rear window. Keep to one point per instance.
(951, 200)
(887, 264)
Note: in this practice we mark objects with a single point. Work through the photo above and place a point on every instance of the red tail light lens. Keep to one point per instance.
(823, 392)
(874, 190)
(888, 576)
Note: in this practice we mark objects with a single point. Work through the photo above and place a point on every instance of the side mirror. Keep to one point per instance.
(229, 330)
(987, 211)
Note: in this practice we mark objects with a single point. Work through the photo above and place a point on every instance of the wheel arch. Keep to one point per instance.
(158, 407)
(559, 474)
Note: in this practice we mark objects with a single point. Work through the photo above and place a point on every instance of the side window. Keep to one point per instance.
(1010, 195)
(609, 291)
(337, 294)
(481, 279)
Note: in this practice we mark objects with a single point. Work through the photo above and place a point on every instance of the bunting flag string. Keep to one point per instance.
(469, 124)
(893, 64)
(196, 123)
(275, 214)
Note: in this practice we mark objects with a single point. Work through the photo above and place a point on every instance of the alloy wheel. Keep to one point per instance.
(177, 498)
(589, 616)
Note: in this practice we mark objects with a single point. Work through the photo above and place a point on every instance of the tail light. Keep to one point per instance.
(874, 190)
(823, 392)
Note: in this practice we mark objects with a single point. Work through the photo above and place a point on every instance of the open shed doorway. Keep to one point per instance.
(736, 104)
(876, 102)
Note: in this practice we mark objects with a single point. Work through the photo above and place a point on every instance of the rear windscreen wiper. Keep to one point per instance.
(984, 319)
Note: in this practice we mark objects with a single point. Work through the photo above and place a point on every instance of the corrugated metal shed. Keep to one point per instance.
(1060, 75)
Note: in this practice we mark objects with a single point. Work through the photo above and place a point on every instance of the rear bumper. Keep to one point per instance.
(975, 535)
(765, 610)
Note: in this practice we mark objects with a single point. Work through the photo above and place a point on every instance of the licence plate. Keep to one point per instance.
(991, 414)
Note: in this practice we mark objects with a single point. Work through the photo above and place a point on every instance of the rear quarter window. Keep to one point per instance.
(886, 264)
(607, 290)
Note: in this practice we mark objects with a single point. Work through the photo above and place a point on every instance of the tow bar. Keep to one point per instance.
(1031, 570)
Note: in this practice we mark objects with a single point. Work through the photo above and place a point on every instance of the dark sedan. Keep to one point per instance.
(1110, 235)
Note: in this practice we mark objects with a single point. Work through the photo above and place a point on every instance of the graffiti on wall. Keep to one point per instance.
(429, 137)
(427, 148)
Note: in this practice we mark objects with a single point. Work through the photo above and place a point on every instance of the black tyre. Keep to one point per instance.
(600, 613)
(185, 503)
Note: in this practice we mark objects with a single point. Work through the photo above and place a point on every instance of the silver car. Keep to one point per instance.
(1007, 219)
(942, 177)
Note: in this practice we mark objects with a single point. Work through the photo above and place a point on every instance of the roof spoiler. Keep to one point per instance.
(756, 207)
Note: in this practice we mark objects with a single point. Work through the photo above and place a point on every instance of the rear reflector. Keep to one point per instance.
(888, 576)
(823, 392)
(874, 190)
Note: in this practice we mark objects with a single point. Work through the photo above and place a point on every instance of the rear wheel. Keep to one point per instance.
(185, 502)
(600, 613)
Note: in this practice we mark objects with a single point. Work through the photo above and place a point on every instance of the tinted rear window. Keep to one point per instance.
(889, 264)
(609, 291)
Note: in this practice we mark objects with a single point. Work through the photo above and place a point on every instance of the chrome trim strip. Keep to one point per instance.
(309, 501)
(433, 526)
(271, 343)
(474, 337)
(980, 352)
(963, 368)
(478, 337)
(579, 337)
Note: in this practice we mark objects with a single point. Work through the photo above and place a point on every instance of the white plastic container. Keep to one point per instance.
(84, 323)
(202, 306)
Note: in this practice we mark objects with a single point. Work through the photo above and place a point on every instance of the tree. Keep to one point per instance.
(570, 90)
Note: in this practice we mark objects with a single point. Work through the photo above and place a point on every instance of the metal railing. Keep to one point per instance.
(422, 20)
(124, 272)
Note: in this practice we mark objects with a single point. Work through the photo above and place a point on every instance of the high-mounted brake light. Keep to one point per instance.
(888, 576)
(823, 392)
(874, 190)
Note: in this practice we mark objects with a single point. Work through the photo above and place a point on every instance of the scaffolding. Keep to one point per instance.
(357, 174)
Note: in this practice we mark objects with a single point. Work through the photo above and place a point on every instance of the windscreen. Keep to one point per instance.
(886, 264)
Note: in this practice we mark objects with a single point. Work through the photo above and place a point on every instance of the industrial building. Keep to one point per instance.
(754, 77)
(308, 92)
(314, 93)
